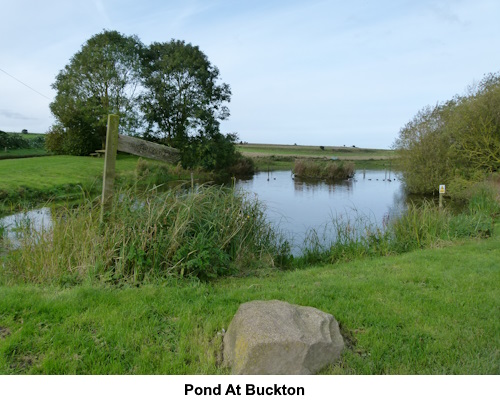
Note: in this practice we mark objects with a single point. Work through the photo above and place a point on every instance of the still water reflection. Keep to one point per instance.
(298, 206)
(295, 206)
(13, 225)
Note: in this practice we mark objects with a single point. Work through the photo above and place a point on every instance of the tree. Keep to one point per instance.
(476, 125)
(424, 150)
(102, 78)
(184, 103)
(455, 143)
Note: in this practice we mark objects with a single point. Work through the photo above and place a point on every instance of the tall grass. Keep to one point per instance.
(215, 231)
(321, 170)
(206, 233)
(422, 226)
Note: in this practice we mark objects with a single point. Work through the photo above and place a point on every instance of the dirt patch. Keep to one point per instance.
(4, 332)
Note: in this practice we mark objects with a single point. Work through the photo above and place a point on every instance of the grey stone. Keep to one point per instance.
(275, 337)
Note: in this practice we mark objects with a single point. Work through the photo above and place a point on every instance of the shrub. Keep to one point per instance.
(243, 166)
(13, 141)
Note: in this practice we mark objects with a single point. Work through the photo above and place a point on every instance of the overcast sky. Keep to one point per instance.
(301, 71)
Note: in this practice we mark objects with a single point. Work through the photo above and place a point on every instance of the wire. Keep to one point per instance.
(24, 84)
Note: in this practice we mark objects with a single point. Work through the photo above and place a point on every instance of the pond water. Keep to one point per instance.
(40, 218)
(295, 206)
(298, 206)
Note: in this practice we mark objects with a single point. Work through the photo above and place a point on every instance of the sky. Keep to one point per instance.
(309, 72)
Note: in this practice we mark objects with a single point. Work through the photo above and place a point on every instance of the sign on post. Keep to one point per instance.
(442, 190)
(128, 144)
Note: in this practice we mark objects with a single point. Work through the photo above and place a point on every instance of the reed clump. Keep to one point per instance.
(420, 226)
(332, 171)
(205, 233)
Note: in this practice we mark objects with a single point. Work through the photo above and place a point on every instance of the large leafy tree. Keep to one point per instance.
(102, 78)
(184, 102)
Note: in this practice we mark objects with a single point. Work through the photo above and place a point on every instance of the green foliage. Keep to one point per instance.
(184, 104)
(101, 79)
(206, 233)
(13, 141)
(150, 173)
(37, 142)
(169, 90)
(182, 97)
(212, 152)
(242, 166)
(455, 143)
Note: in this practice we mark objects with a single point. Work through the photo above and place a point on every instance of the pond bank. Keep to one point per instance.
(398, 315)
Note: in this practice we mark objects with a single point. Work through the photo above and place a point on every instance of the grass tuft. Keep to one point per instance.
(324, 170)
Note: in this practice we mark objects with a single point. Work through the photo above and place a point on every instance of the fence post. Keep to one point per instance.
(109, 163)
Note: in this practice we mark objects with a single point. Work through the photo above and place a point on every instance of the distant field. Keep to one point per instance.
(282, 157)
(340, 152)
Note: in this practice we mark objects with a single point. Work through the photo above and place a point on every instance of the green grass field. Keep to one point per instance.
(351, 153)
(55, 177)
(53, 171)
(282, 157)
(431, 311)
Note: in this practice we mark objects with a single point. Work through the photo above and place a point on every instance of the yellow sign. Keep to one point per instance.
(442, 189)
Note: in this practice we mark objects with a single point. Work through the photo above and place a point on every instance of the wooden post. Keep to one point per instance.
(109, 163)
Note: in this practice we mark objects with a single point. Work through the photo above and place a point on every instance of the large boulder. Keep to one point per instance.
(275, 337)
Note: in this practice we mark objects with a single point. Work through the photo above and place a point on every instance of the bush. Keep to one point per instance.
(243, 166)
(13, 141)
(37, 143)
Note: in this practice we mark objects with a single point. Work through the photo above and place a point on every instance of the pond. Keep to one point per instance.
(11, 225)
(299, 206)
(295, 206)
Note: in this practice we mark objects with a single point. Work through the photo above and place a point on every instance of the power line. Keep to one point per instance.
(24, 84)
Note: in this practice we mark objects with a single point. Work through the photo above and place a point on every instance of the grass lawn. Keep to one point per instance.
(53, 171)
(427, 312)
(55, 177)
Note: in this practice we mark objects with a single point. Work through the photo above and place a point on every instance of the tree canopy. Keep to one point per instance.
(455, 143)
(168, 92)
(101, 79)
